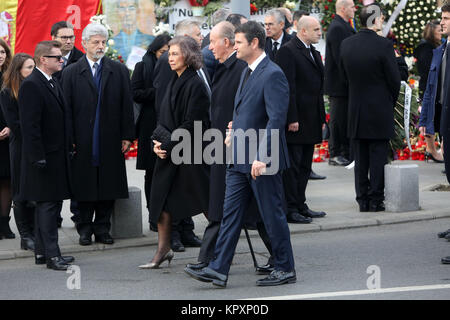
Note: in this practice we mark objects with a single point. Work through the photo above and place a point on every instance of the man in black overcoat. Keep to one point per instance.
(302, 65)
(335, 87)
(45, 170)
(98, 93)
(368, 64)
(274, 22)
(182, 231)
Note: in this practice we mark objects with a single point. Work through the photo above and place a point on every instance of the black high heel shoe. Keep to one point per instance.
(155, 265)
(430, 156)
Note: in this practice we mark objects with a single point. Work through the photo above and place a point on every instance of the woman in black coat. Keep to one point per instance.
(22, 66)
(5, 174)
(432, 38)
(179, 190)
(144, 94)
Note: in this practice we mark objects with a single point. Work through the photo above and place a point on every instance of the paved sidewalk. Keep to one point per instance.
(335, 196)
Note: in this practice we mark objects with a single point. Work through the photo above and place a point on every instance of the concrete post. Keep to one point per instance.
(240, 6)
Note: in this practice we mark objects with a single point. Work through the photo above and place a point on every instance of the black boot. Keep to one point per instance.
(5, 231)
(24, 217)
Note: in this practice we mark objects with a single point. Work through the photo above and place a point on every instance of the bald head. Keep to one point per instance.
(308, 30)
(346, 9)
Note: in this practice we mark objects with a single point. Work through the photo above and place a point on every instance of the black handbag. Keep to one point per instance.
(162, 135)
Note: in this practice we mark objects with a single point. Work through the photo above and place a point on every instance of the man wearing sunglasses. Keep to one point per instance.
(62, 32)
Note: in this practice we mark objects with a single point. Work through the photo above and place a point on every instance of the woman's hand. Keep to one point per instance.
(157, 149)
(5, 133)
(423, 131)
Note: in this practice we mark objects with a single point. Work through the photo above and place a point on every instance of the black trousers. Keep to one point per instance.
(209, 240)
(370, 157)
(339, 143)
(295, 179)
(446, 138)
(101, 224)
(46, 228)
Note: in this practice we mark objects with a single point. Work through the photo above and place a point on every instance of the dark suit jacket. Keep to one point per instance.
(305, 77)
(424, 55)
(261, 104)
(369, 65)
(116, 124)
(75, 55)
(44, 123)
(286, 38)
(334, 81)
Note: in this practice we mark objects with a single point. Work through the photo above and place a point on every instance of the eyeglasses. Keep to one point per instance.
(65, 38)
(56, 57)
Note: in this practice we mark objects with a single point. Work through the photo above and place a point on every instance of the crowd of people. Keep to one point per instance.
(68, 118)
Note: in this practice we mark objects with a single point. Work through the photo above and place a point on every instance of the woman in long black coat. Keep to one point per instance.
(22, 66)
(144, 94)
(432, 37)
(179, 190)
(5, 174)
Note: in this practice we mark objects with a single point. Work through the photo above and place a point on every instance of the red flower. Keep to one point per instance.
(356, 7)
(326, 7)
(253, 8)
(333, 15)
(198, 3)
(330, 0)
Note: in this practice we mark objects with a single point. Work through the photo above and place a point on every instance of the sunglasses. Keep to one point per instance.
(56, 57)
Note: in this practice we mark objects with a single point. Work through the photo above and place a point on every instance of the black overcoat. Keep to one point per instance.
(5, 171)
(338, 30)
(10, 110)
(182, 190)
(75, 55)
(268, 46)
(116, 124)
(369, 65)
(305, 77)
(45, 131)
(144, 93)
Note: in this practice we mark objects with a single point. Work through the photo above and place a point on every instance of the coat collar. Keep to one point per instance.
(54, 91)
(304, 50)
(85, 71)
(339, 19)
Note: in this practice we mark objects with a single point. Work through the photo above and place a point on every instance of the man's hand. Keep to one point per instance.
(125, 146)
(293, 127)
(5, 133)
(423, 131)
(157, 149)
(258, 168)
(41, 164)
(228, 137)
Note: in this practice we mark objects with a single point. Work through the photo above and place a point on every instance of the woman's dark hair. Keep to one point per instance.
(159, 42)
(252, 30)
(8, 56)
(190, 50)
(13, 78)
(428, 32)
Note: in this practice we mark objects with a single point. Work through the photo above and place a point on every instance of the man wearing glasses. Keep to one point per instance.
(62, 32)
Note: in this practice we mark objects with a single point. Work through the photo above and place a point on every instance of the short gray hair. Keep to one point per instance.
(185, 27)
(94, 29)
(226, 30)
(220, 15)
(277, 14)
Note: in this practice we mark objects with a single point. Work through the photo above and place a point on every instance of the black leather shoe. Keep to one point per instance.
(338, 161)
(57, 263)
(42, 260)
(445, 260)
(377, 207)
(444, 172)
(277, 278)
(315, 176)
(197, 266)
(104, 238)
(364, 206)
(27, 243)
(443, 234)
(176, 245)
(265, 269)
(313, 214)
(296, 217)
(208, 275)
(191, 242)
(85, 240)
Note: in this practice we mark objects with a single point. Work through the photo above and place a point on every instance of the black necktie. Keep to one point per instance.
(275, 48)
(52, 83)
(247, 75)
(311, 55)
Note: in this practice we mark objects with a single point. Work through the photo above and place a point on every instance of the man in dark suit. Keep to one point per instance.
(335, 87)
(224, 86)
(62, 32)
(369, 66)
(261, 106)
(302, 65)
(182, 231)
(98, 93)
(45, 163)
(276, 35)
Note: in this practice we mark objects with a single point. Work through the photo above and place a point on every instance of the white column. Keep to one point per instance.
(240, 6)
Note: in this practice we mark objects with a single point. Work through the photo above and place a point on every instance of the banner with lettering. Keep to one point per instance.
(24, 23)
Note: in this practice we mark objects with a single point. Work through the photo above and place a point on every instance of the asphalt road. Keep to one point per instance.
(330, 264)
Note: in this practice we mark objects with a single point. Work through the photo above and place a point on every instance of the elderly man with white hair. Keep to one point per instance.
(98, 93)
